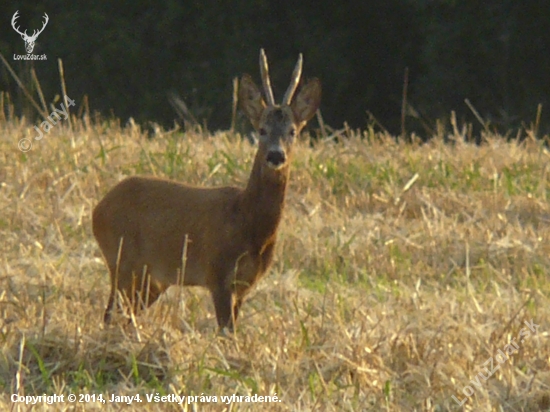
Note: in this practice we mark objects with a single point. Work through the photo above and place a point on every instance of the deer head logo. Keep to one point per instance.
(29, 40)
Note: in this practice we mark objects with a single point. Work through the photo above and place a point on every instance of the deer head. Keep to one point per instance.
(29, 40)
(278, 125)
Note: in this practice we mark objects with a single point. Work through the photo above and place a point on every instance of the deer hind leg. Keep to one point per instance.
(109, 310)
(137, 291)
(113, 304)
(120, 290)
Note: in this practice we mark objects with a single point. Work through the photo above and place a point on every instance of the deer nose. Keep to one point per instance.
(276, 157)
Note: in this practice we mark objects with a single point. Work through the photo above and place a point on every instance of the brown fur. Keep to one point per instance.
(231, 232)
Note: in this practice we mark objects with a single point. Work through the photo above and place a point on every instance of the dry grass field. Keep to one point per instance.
(404, 275)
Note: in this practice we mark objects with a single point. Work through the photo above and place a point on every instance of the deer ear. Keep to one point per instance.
(251, 101)
(307, 102)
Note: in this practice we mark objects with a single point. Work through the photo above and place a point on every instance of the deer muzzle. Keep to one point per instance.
(276, 158)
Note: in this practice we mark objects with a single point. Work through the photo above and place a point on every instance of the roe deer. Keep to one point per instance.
(144, 224)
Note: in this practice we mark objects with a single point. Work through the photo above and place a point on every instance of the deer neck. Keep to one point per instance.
(263, 200)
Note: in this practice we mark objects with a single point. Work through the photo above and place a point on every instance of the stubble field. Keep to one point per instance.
(400, 272)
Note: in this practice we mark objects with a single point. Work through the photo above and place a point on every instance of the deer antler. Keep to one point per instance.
(13, 22)
(265, 79)
(294, 82)
(35, 32)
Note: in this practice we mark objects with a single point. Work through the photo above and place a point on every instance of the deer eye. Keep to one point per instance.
(262, 132)
(291, 134)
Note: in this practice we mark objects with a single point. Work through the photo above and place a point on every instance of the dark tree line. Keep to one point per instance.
(127, 56)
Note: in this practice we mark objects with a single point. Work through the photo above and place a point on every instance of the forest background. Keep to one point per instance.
(129, 56)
